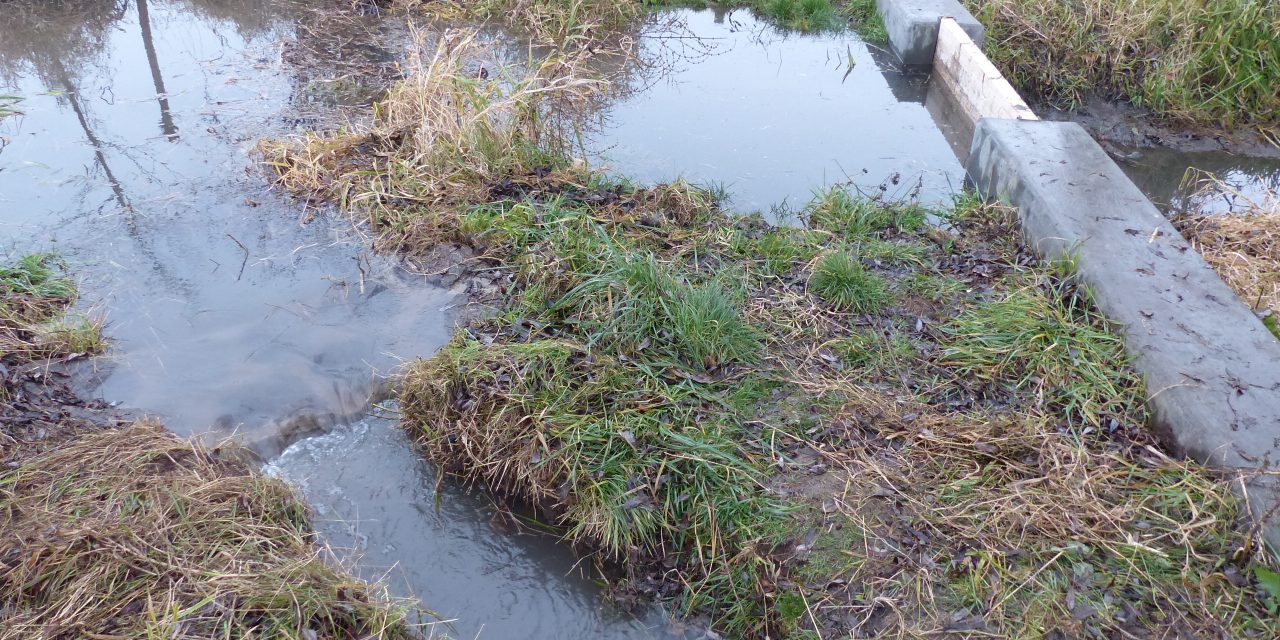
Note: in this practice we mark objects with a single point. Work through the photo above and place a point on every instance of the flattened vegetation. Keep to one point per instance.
(862, 424)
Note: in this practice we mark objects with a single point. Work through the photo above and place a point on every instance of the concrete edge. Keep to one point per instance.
(1212, 370)
(971, 81)
(912, 26)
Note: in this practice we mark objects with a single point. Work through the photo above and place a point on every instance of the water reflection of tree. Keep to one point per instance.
(54, 37)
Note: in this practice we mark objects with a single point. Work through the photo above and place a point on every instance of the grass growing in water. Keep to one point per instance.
(35, 294)
(1215, 62)
(1242, 246)
(8, 106)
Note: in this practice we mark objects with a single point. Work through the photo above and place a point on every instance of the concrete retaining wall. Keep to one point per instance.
(912, 26)
(1212, 369)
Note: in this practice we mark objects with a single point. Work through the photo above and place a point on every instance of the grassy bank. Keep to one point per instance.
(125, 531)
(1214, 62)
(593, 23)
(859, 423)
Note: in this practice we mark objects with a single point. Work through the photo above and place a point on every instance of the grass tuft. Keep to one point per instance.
(35, 295)
(841, 280)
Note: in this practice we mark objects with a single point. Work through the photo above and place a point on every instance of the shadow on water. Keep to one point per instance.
(228, 316)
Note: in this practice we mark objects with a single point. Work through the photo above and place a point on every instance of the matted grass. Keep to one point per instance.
(134, 533)
(1208, 61)
(1243, 246)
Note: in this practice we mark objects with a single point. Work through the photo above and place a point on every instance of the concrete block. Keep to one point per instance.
(1212, 369)
(976, 86)
(913, 26)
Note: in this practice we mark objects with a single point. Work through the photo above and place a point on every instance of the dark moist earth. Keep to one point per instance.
(1115, 124)
(39, 411)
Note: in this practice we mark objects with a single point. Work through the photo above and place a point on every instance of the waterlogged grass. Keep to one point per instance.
(133, 533)
(35, 295)
(9, 106)
(861, 424)
(1215, 62)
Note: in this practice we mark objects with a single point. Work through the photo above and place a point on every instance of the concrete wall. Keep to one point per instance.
(912, 26)
(1212, 369)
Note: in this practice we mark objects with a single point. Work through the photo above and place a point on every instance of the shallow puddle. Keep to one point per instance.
(226, 315)
(1163, 174)
(772, 116)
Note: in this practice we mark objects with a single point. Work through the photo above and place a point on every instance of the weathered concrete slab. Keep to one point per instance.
(912, 26)
(1212, 369)
(976, 86)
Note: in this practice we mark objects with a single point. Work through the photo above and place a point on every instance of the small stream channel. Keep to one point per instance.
(227, 316)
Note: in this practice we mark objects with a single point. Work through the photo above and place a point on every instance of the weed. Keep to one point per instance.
(841, 280)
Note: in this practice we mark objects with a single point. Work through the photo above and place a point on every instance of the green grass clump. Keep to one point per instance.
(35, 295)
(1213, 62)
(841, 280)
(1045, 337)
(801, 15)
(838, 210)
(866, 20)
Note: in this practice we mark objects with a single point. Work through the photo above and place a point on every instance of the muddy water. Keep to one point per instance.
(773, 116)
(133, 160)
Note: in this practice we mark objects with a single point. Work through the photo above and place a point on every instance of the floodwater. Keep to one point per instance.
(773, 116)
(228, 316)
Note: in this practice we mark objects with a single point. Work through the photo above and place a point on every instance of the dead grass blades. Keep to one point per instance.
(1243, 245)
(134, 533)
(456, 126)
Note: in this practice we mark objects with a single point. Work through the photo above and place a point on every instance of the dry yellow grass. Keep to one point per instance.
(1242, 246)
(457, 125)
(135, 533)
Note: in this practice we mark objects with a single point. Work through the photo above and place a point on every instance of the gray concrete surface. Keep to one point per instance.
(1212, 369)
(913, 26)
